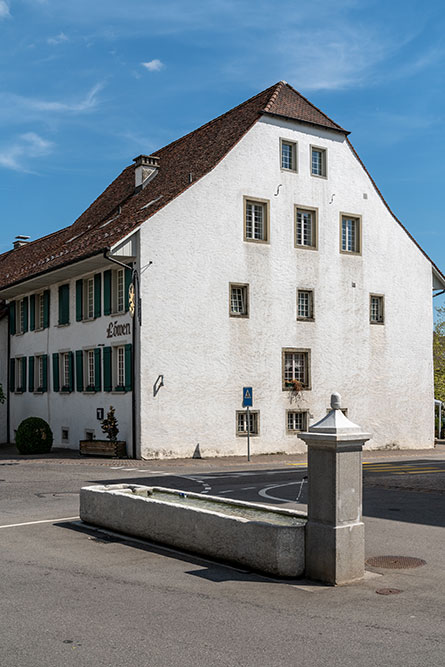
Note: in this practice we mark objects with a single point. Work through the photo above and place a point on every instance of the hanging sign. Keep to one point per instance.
(131, 300)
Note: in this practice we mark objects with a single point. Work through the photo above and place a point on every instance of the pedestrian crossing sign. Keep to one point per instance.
(247, 397)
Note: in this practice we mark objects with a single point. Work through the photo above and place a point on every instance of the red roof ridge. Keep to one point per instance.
(278, 86)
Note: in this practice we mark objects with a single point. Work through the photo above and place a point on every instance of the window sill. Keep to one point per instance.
(19, 392)
(292, 389)
(65, 391)
(260, 241)
(19, 333)
(38, 392)
(118, 313)
(238, 316)
(89, 392)
(357, 253)
(305, 319)
(61, 325)
(244, 435)
(378, 323)
(319, 176)
(288, 171)
(306, 247)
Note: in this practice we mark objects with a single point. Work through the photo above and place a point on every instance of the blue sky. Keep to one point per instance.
(87, 86)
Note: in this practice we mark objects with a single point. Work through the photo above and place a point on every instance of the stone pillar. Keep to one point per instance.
(335, 539)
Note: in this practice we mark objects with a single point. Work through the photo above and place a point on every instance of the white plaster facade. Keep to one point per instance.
(189, 252)
(3, 377)
(384, 373)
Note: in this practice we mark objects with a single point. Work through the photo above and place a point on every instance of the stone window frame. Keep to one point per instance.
(314, 211)
(265, 203)
(311, 317)
(255, 417)
(307, 352)
(245, 288)
(297, 430)
(294, 147)
(358, 233)
(324, 161)
(381, 308)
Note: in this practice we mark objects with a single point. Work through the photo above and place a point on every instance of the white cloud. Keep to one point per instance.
(27, 146)
(153, 65)
(58, 39)
(18, 107)
(4, 9)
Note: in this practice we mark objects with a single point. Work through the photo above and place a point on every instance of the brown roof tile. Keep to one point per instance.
(119, 210)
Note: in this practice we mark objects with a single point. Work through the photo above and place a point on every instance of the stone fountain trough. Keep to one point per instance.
(264, 538)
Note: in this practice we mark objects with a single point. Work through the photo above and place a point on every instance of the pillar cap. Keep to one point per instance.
(335, 426)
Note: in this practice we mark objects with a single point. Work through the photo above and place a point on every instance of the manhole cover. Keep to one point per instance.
(395, 562)
(388, 591)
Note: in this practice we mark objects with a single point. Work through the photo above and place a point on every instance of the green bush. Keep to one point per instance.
(34, 436)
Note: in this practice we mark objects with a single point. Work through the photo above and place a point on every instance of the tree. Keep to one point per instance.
(110, 425)
(2, 395)
(439, 354)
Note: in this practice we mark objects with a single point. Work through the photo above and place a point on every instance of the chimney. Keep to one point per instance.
(19, 241)
(145, 168)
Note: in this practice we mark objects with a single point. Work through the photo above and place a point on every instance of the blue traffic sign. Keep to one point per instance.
(247, 397)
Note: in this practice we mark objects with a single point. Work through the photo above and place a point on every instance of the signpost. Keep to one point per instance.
(247, 403)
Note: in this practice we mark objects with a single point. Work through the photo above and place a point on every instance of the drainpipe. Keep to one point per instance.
(135, 282)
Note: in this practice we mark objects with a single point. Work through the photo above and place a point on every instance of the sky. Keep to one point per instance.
(85, 86)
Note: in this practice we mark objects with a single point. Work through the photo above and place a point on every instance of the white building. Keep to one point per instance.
(263, 253)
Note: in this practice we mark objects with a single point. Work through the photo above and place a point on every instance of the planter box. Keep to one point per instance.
(260, 537)
(103, 448)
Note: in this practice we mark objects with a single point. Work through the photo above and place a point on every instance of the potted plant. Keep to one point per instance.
(110, 447)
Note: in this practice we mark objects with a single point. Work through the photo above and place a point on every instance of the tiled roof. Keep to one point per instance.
(119, 209)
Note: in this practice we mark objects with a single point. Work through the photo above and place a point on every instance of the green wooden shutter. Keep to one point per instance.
(97, 294)
(32, 312)
(23, 382)
(64, 304)
(12, 375)
(45, 372)
(46, 309)
(79, 300)
(128, 273)
(12, 318)
(31, 373)
(128, 367)
(107, 292)
(56, 377)
(97, 369)
(79, 370)
(107, 369)
(25, 314)
(71, 371)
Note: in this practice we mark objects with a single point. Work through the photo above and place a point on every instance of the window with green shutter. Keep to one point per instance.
(46, 309)
(25, 314)
(12, 318)
(107, 292)
(31, 374)
(79, 370)
(97, 294)
(79, 300)
(64, 304)
(56, 377)
(44, 362)
(22, 374)
(128, 273)
(70, 371)
(107, 364)
(97, 370)
(32, 312)
(12, 375)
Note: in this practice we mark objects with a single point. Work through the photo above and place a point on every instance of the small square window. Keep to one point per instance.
(350, 234)
(65, 434)
(256, 220)
(305, 304)
(242, 422)
(296, 366)
(376, 309)
(297, 420)
(318, 161)
(288, 150)
(305, 228)
(239, 300)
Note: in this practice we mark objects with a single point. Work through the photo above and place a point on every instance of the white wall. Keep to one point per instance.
(3, 376)
(77, 410)
(384, 373)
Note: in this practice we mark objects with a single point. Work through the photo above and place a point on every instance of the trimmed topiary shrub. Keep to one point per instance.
(34, 436)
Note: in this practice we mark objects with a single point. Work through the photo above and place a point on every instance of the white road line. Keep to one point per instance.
(248, 488)
(264, 494)
(32, 523)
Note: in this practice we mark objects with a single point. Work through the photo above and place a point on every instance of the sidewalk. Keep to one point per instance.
(8, 453)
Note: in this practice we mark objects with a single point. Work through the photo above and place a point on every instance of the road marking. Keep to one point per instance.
(161, 473)
(32, 523)
(248, 488)
(263, 492)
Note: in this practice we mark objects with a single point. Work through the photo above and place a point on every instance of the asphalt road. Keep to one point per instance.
(72, 595)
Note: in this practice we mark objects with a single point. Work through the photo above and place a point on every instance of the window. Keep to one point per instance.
(350, 234)
(91, 371)
(305, 304)
(288, 151)
(20, 374)
(297, 420)
(118, 291)
(241, 422)
(88, 297)
(65, 434)
(63, 371)
(318, 161)
(39, 311)
(19, 316)
(38, 373)
(305, 228)
(65, 379)
(239, 300)
(40, 301)
(256, 220)
(116, 285)
(64, 304)
(376, 305)
(296, 367)
(117, 368)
